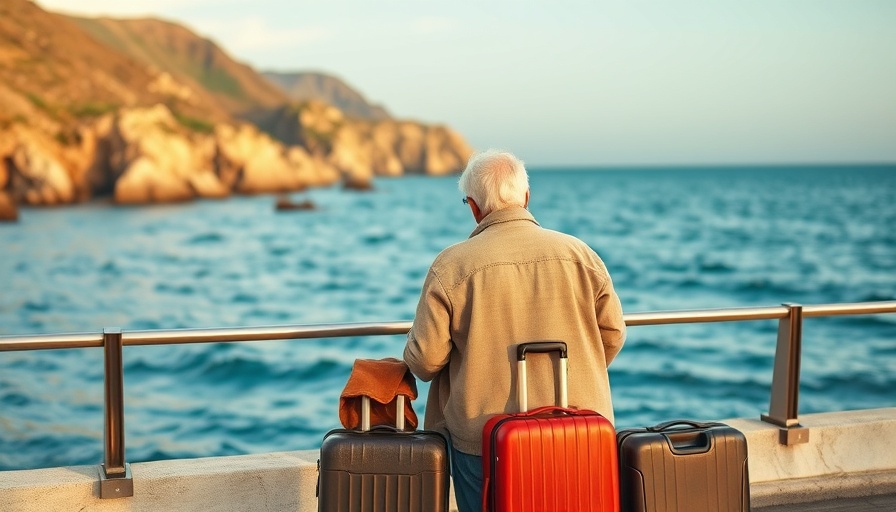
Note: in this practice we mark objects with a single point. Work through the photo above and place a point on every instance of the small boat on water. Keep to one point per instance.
(357, 184)
(285, 203)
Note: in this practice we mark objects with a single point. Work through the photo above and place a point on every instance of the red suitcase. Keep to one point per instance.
(551, 459)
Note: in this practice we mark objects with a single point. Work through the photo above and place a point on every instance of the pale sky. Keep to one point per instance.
(588, 82)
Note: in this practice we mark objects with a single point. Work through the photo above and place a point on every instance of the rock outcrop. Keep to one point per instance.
(251, 162)
(144, 155)
(9, 212)
(361, 149)
(33, 173)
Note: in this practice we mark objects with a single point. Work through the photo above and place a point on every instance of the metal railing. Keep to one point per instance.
(115, 474)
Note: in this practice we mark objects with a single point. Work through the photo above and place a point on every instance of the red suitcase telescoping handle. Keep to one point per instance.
(541, 347)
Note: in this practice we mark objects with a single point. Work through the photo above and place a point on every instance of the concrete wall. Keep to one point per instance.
(271, 482)
(848, 453)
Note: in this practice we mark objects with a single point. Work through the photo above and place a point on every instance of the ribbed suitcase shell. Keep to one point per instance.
(551, 459)
(694, 469)
(543, 461)
(383, 470)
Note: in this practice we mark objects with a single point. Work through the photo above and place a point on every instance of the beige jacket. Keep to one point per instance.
(511, 282)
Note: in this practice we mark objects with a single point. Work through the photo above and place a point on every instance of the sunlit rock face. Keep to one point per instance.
(158, 161)
(146, 155)
(251, 162)
(32, 170)
(360, 149)
(151, 158)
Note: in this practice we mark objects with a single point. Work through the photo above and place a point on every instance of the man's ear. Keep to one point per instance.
(477, 213)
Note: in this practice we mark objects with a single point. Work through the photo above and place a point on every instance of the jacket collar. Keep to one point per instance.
(509, 214)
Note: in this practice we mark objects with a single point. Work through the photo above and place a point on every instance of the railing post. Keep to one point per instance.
(115, 473)
(784, 403)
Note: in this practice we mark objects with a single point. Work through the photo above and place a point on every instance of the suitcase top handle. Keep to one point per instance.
(689, 442)
(694, 424)
(540, 347)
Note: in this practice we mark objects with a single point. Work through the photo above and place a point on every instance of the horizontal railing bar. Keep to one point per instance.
(283, 332)
(272, 332)
(757, 313)
(51, 341)
(705, 315)
(857, 308)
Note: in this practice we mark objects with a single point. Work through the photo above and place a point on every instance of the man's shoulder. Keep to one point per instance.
(539, 243)
(567, 241)
(559, 235)
(574, 248)
(453, 253)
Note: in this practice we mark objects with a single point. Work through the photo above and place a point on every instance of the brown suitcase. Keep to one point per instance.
(683, 466)
(383, 469)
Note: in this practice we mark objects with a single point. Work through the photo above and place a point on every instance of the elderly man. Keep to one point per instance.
(511, 282)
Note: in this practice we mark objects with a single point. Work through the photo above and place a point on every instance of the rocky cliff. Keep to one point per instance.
(143, 155)
(199, 64)
(321, 87)
(146, 111)
(360, 149)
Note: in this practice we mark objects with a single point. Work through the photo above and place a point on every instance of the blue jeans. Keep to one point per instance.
(467, 476)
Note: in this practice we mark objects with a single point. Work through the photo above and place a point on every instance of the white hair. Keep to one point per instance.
(495, 179)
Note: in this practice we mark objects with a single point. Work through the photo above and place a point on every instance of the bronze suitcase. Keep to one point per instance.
(384, 469)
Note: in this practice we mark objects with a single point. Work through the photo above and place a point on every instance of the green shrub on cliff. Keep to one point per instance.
(91, 109)
(194, 124)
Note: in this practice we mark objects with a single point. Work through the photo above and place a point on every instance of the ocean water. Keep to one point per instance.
(672, 239)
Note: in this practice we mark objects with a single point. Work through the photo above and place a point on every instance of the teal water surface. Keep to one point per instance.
(672, 239)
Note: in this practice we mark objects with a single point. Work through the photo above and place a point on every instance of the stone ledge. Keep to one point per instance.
(281, 481)
(839, 443)
(828, 487)
(848, 454)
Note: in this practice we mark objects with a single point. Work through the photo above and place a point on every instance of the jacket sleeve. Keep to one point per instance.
(429, 341)
(610, 321)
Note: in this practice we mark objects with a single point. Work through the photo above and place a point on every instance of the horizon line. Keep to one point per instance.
(721, 165)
